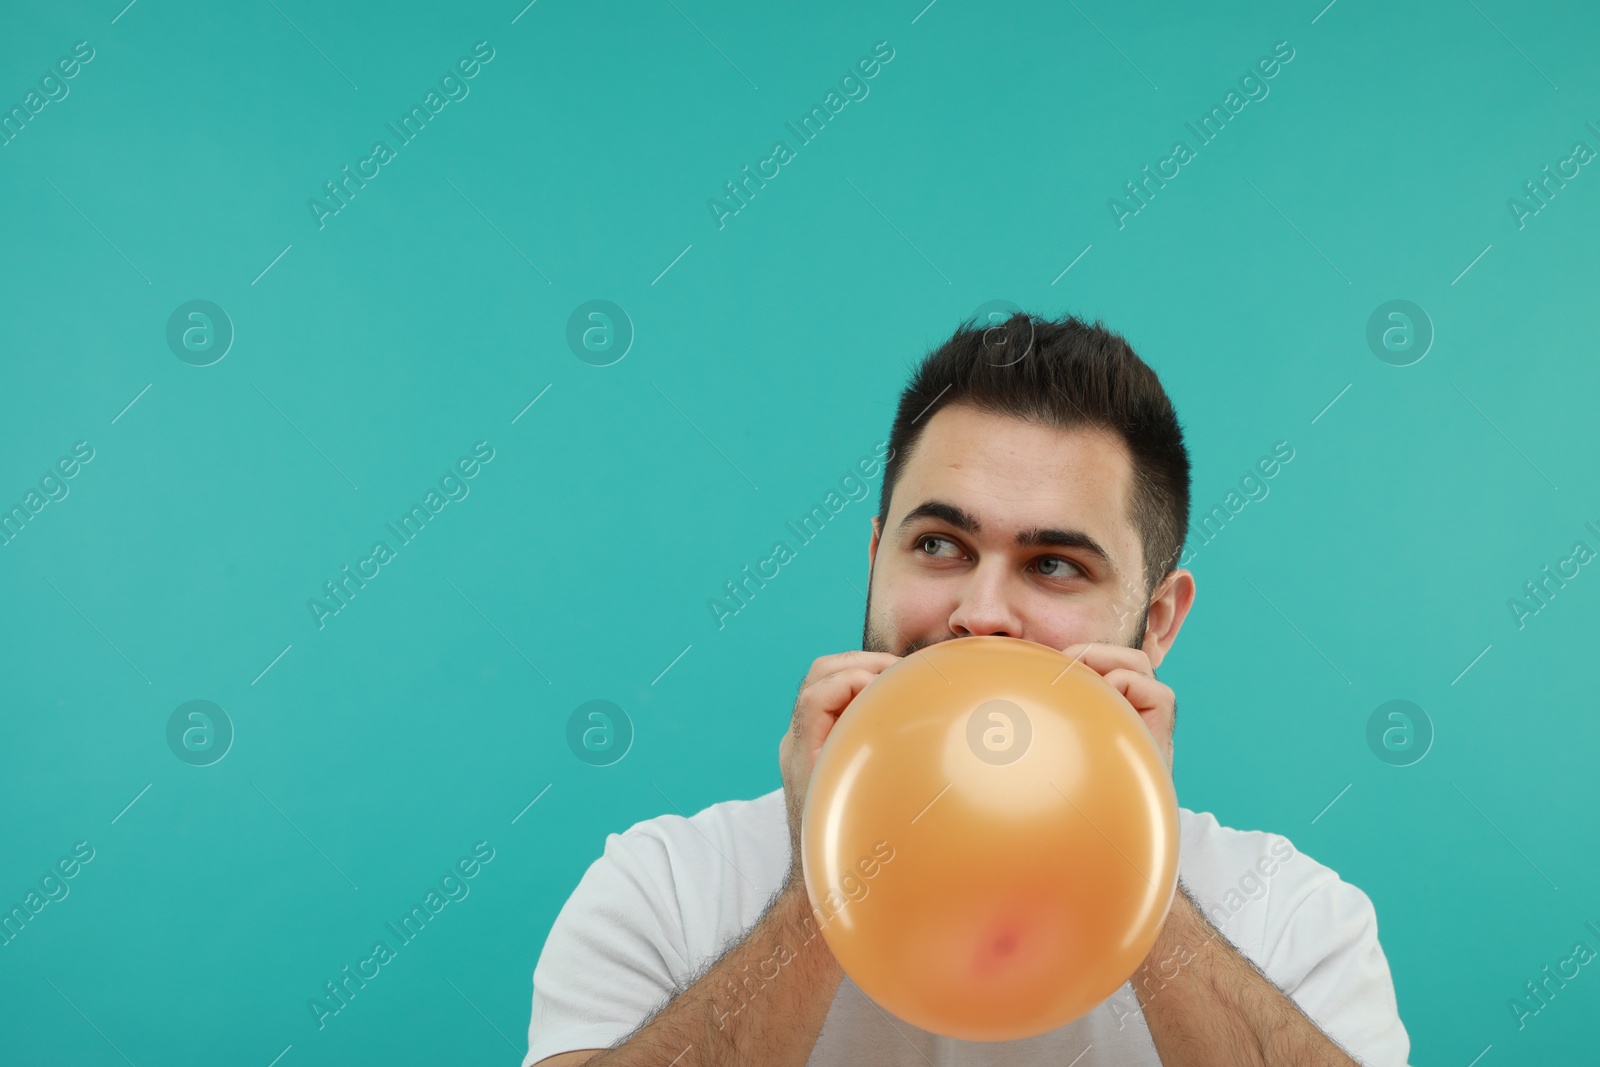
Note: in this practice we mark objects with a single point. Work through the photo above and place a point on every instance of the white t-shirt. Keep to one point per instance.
(671, 894)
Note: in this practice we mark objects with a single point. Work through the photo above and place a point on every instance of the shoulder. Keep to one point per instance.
(672, 888)
(754, 830)
(717, 868)
(1250, 883)
(666, 893)
(1313, 934)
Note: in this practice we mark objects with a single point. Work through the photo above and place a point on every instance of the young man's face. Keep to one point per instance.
(946, 562)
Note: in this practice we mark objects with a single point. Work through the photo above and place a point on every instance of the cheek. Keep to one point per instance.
(911, 598)
(908, 605)
(1078, 621)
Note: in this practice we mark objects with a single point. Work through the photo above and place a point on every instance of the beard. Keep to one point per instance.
(873, 640)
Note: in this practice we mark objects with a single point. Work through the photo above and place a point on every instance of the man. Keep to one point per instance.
(1036, 486)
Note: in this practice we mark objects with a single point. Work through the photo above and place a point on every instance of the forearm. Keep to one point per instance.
(762, 1003)
(1207, 1005)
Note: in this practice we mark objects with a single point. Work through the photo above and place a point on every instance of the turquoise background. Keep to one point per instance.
(425, 316)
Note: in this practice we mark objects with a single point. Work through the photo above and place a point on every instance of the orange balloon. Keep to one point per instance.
(990, 839)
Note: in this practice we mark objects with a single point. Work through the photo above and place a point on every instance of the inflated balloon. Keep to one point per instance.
(990, 839)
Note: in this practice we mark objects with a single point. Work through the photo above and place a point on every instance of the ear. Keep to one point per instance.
(1168, 608)
(872, 547)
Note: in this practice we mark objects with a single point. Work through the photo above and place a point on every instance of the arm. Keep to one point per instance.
(1203, 1002)
(781, 971)
(1206, 1004)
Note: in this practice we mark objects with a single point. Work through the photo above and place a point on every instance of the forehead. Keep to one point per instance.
(1011, 474)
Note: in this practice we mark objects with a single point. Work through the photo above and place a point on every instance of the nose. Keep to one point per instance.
(984, 608)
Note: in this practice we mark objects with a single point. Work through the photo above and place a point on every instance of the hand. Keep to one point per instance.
(828, 688)
(1129, 670)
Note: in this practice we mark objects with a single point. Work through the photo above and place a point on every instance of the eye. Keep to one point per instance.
(1076, 571)
(928, 539)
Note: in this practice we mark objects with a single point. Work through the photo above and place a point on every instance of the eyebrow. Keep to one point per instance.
(1032, 537)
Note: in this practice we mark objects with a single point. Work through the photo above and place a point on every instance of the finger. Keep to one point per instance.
(1153, 702)
(1103, 657)
(874, 666)
(825, 700)
(833, 664)
(1147, 695)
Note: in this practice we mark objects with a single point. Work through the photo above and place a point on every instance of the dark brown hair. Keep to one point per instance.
(1065, 373)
